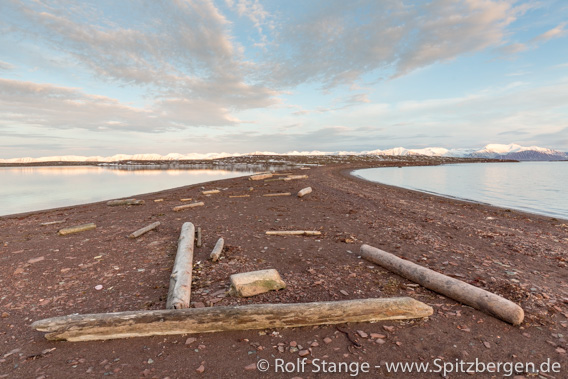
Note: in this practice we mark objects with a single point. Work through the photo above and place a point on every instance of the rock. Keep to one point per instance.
(293, 343)
(314, 344)
(487, 344)
(362, 334)
(5, 315)
(35, 260)
(251, 367)
(380, 341)
(377, 335)
(560, 350)
(200, 369)
(327, 340)
(343, 292)
(304, 353)
(388, 328)
(190, 340)
(255, 282)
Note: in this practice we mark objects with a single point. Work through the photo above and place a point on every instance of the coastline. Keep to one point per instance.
(517, 255)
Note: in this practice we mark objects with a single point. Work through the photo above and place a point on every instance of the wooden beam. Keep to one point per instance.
(179, 292)
(187, 206)
(277, 194)
(293, 233)
(106, 326)
(76, 229)
(453, 288)
(216, 253)
(114, 203)
(143, 230)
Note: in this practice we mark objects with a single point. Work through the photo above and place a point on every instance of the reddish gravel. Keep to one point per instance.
(520, 256)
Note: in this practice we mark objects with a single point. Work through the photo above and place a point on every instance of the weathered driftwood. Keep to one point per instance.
(274, 180)
(76, 229)
(114, 203)
(143, 230)
(198, 234)
(232, 196)
(158, 200)
(210, 192)
(187, 199)
(179, 292)
(304, 192)
(295, 177)
(106, 326)
(293, 233)
(453, 288)
(187, 206)
(252, 283)
(260, 176)
(216, 252)
(52, 222)
(277, 194)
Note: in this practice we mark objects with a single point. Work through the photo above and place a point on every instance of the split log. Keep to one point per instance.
(277, 194)
(179, 292)
(216, 253)
(198, 233)
(260, 176)
(188, 199)
(304, 192)
(453, 288)
(210, 192)
(187, 206)
(233, 196)
(114, 203)
(76, 229)
(294, 177)
(293, 233)
(145, 229)
(107, 326)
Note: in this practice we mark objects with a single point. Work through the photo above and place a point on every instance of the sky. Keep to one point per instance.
(104, 77)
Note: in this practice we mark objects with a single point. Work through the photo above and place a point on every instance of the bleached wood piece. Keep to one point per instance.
(453, 288)
(179, 292)
(143, 230)
(295, 177)
(293, 233)
(52, 222)
(216, 252)
(274, 180)
(260, 176)
(234, 196)
(114, 203)
(105, 326)
(158, 200)
(198, 242)
(304, 192)
(210, 192)
(187, 206)
(277, 194)
(76, 229)
(188, 199)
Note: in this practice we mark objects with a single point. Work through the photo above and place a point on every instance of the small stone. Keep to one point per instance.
(99, 287)
(293, 343)
(327, 340)
(251, 367)
(377, 335)
(5, 315)
(388, 328)
(293, 349)
(362, 334)
(190, 340)
(560, 350)
(256, 282)
(343, 292)
(201, 347)
(150, 361)
(315, 344)
(304, 353)
(198, 304)
(487, 344)
(35, 260)
(380, 341)
(200, 369)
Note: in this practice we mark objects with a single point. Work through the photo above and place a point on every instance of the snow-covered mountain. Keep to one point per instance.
(493, 151)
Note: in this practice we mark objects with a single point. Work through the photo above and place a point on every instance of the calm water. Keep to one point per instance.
(24, 189)
(536, 187)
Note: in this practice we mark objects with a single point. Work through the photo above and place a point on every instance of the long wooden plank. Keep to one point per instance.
(453, 288)
(217, 319)
(179, 293)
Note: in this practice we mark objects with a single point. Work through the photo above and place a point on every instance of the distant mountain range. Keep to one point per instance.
(492, 151)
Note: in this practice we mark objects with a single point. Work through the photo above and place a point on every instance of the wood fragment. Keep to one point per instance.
(304, 192)
(187, 206)
(216, 252)
(210, 192)
(158, 200)
(453, 288)
(143, 230)
(52, 222)
(260, 176)
(274, 180)
(293, 233)
(234, 196)
(277, 194)
(114, 203)
(179, 292)
(198, 233)
(76, 229)
(295, 177)
(91, 327)
(187, 199)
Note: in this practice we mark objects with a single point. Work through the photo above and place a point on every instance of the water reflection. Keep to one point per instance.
(25, 189)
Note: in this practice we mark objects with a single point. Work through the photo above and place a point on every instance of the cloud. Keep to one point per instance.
(5, 66)
(337, 42)
(558, 31)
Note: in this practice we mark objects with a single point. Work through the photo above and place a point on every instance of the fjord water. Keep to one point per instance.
(25, 189)
(534, 187)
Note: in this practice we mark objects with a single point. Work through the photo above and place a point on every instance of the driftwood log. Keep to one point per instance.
(216, 253)
(143, 230)
(210, 192)
(453, 288)
(114, 203)
(179, 292)
(106, 326)
(293, 233)
(76, 229)
(187, 206)
(277, 194)
(233, 196)
(260, 176)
